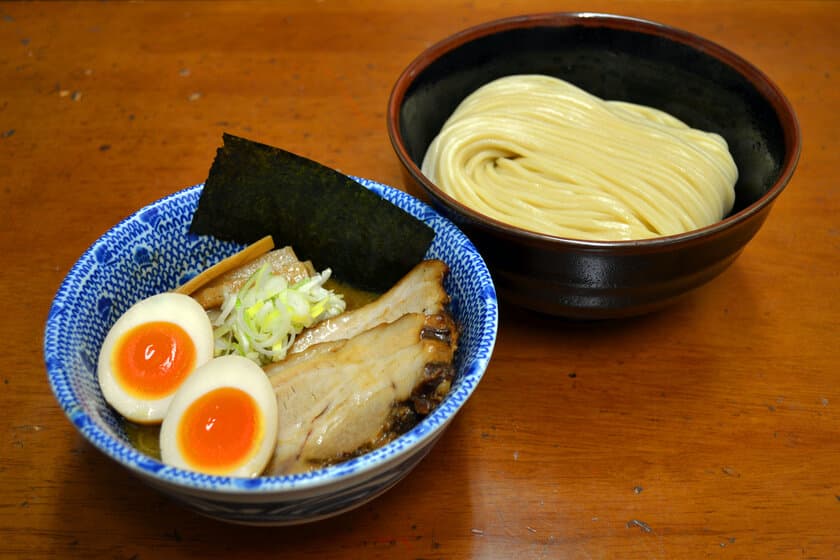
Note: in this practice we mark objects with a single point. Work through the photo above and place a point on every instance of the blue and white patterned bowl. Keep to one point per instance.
(151, 251)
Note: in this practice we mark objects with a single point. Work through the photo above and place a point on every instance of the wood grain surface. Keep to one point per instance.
(708, 430)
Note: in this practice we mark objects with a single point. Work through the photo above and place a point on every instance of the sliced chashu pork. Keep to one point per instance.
(281, 261)
(338, 397)
(419, 291)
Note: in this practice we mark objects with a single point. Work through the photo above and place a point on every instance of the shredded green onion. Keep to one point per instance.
(262, 319)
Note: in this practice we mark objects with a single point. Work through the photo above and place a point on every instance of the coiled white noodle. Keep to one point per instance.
(541, 154)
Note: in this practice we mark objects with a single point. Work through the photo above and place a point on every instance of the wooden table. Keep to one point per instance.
(710, 429)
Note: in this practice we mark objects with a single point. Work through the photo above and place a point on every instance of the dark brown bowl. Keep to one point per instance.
(613, 57)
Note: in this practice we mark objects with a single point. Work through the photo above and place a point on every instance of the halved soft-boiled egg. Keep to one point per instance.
(222, 421)
(150, 351)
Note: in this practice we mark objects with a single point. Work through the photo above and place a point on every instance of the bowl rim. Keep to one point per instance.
(764, 85)
(406, 445)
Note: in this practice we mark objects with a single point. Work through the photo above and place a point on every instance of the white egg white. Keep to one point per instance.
(179, 309)
(225, 371)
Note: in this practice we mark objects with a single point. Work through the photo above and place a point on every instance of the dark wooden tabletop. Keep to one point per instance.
(709, 429)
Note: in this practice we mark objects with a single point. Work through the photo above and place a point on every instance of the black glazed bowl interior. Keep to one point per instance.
(619, 58)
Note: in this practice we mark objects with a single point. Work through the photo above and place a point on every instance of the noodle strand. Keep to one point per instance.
(541, 154)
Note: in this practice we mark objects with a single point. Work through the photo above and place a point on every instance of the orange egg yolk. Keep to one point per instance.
(151, 360)
(218, 431)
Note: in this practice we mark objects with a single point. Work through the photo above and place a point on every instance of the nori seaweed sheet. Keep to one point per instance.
(255, 190)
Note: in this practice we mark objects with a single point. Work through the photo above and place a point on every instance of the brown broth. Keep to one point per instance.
(354, 298)
(143, 437)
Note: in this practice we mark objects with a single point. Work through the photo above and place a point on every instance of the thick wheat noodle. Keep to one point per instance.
(541, 154)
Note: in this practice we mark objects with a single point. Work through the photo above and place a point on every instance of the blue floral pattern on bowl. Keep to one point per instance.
(151, 251)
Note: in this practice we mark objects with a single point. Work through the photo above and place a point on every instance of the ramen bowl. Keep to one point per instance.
(150, 252)
(615, 58)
